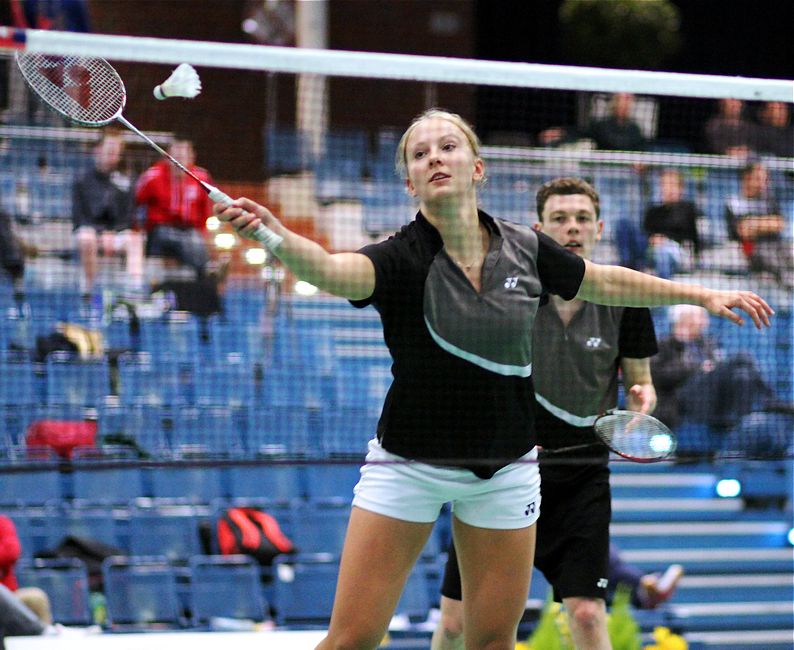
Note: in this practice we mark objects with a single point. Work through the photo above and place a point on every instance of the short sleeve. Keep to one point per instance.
(637, 338)
(388, 258)
(561, 271)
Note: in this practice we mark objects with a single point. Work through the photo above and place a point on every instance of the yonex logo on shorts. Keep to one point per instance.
(530, 509)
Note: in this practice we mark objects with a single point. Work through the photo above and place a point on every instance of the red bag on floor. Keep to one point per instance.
(61, 435)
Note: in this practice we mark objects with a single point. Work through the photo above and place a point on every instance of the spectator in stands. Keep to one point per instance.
(775, 131)
(728, 133)
(102, 213)
(696, 381)
(176, 208)
(618, 131)
(23, 611)
(754, 219)
(12, 253)
(648, 590)
(671, 226)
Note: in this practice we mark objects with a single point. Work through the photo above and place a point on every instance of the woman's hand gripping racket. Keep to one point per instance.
(635, 436)
(88, 91)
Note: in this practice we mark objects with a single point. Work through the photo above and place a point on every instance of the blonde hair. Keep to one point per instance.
(401, 162)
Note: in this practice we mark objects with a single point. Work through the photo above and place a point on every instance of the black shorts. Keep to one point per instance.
(573, 537)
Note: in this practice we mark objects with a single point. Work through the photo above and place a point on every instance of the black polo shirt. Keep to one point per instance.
(462, 393)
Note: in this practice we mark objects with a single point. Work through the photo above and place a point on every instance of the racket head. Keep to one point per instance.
(635, 436)
(85, 90)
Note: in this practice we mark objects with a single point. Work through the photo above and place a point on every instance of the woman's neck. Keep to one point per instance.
(459, 227)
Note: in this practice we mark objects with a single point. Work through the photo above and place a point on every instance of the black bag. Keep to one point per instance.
(92, 552)
(248, 531)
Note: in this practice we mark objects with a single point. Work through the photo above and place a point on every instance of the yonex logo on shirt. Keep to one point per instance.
(593, 342)
(602, 583)
(511, 282)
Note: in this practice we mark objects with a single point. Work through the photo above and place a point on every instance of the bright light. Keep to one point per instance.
(256, 255)
(728, 488)
(213, 223)
(790, 537)
(225, 240)
(304, 288)
(661, 443)
(250, 25)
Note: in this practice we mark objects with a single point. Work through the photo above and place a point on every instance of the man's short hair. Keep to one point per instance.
(565, 186)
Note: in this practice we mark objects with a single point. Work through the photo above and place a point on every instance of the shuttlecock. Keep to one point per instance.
(183, 82)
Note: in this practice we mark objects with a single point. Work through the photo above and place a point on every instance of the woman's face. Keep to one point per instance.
(440, 161)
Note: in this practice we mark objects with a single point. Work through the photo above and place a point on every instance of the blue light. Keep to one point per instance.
(728, 488)
(790, 537)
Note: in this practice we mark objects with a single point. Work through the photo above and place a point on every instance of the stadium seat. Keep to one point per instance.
(209, 428)
(272, 481)
(117, 485)
(141, 592)
(65, 581)
(17, 387)
(177, 336)
(304, 589)
(169, 530)
(332, 480)
(148, 379)
(201, 484)
(70, 381)
(319, 526)
(226, 586)
(37, 483)
(278, 430)
(227, 381)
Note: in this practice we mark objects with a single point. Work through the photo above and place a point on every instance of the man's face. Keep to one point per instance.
(570, 220)
(108, 154)
(182, 150)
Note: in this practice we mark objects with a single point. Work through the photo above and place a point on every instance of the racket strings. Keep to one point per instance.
(635, 435)
(83, 89)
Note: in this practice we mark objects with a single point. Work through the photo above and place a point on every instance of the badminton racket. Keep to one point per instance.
(635, 436)
(88, 91)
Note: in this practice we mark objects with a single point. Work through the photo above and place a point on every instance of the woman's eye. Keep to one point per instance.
(449, 146)
(418, 154)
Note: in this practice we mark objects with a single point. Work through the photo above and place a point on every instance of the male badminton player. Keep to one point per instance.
(578, 349)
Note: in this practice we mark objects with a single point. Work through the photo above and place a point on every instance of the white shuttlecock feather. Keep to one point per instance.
(183, 82)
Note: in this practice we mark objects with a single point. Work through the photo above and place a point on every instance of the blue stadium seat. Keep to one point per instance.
(304, 590)
(91, 519)
(236, 337)
(143, 424)
(170, 530)
(279, 482)
(14, 422)
(227, 381)
(279, 430)
(70, 381)
(211, 429)
(30, 477)
(415, 600)
(188, 484)
(226, 586)
(17, 387)
(141, 592)
(179, 337)
(346, 430)
(148, 379)
(65, 581)
(319, 526)
(332, 480)
(117, 485)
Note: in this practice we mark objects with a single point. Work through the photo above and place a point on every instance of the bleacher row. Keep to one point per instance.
(353, 166)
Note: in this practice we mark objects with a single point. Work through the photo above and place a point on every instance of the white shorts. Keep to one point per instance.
(412, 491)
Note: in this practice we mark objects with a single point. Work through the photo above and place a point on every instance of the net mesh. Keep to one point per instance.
(85, 90)
(281, 372)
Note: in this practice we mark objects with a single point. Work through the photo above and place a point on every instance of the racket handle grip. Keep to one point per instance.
(262, 234)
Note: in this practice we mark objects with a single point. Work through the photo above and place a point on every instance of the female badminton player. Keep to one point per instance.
(457, 291)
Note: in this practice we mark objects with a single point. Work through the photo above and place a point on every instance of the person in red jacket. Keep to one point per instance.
(23, 611)
(176, 208)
